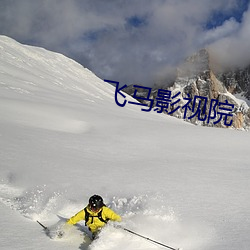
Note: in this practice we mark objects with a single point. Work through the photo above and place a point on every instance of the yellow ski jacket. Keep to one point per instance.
(94, 223)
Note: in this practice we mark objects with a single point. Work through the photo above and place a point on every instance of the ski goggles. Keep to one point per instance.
(94, 208)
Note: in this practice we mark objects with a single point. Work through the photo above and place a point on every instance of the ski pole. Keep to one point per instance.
(146, 238)
(45, 228)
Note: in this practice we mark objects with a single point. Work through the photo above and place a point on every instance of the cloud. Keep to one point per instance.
(228, 28)
(233, 49)
(129, 41)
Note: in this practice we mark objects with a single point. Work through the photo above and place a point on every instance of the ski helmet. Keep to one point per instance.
(95, 202)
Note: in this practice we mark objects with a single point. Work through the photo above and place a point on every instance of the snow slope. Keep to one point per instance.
(63, 138)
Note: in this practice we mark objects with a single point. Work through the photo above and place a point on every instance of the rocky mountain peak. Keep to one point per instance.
(197, 64)
(200, 86)
(197, 76)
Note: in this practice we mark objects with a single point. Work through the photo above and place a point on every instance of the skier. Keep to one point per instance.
(95, 214)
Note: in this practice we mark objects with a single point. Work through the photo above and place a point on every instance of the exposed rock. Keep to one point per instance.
(196, 78)
(237, 81)
(238, 120)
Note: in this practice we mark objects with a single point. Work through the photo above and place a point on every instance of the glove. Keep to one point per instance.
(62, 229)
(60, 234)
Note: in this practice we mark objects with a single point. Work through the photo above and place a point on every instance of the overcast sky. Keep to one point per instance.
(131, 41)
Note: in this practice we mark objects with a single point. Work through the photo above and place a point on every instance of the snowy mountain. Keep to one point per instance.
(205, 93)
(64, 138)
